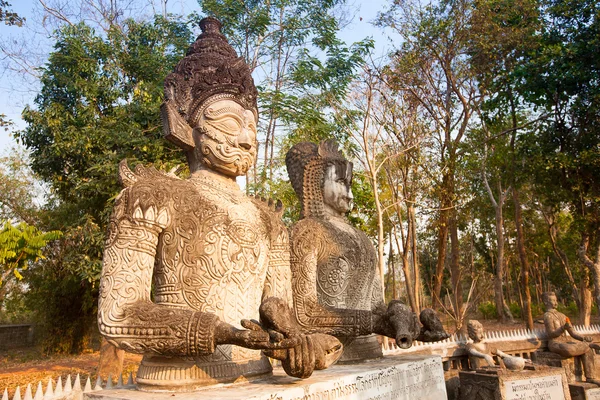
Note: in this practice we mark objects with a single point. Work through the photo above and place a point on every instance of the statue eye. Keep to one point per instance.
(226, 125)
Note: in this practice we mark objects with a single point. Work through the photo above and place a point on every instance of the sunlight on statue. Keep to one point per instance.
(190, 265)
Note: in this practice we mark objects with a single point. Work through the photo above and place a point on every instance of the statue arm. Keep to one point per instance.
(310, 314)
(553, 327)
(126, 315)
(278, 282)
(476, 353)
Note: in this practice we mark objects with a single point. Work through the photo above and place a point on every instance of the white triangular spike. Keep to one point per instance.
(98, 385)
(88, 385)
(120, 381)
(68, 387)
(17, 395)
(39, 393)
(109, 383)
(59, 390)
(77, 384)
(28, 395)
(49, 392)
(130, 379)
(5, 395)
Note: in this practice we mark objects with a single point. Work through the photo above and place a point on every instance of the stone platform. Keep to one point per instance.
(543, 383)
(409, 377)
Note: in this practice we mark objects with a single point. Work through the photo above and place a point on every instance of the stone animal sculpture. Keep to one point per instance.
(557, 325)
(208, 253)
(336, 287)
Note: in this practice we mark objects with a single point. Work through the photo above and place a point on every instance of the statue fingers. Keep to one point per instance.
(251, 324)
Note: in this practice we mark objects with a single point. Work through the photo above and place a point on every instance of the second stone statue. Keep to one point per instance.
(336, 286)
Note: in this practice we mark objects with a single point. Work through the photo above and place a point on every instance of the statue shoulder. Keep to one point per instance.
(129, 178)
(147, 193)
(271, 212)
(309, 227)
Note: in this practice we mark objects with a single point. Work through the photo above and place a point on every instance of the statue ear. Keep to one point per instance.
(175, 127)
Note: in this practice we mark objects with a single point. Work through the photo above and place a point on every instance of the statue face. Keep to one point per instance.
(226, 138)
(337, 193)
(550, 301)
(476, 333)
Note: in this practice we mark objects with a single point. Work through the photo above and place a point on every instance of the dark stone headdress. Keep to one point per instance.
(306, 164)
(210, 69)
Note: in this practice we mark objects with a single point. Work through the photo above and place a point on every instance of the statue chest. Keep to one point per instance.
(213, 257)
(345, 276)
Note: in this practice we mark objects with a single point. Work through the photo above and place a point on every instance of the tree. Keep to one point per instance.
(8, 16)
(503, 35)
(561, 79)
(99, 103)
(431, 69)
(20, 246)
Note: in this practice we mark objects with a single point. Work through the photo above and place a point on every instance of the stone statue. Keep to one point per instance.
(479, 351)
(187, 259)
(335, 283)
(557, 325)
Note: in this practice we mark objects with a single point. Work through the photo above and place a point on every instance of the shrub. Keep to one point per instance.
(487, 309)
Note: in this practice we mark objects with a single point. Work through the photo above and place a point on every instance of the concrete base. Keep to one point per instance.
(584, 391)
(407, 377)
(490, 383)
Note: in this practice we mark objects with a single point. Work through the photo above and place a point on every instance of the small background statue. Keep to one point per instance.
(481, 353)
(557, 325)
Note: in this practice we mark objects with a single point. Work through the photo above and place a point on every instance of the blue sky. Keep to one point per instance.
(15, 92)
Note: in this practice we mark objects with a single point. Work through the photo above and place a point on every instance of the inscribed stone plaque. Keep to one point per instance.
(390, 378)
(593, 394)
(545, 387)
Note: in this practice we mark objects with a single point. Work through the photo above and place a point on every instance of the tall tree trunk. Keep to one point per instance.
(519, 219)
(523, 259)
(455, 272)
(415, 258)
(443, 221)
(585, 311)
(593, 264)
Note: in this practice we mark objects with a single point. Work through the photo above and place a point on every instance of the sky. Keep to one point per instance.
(16, 92)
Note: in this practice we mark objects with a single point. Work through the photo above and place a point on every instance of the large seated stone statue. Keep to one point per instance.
(557, 325)
(335, 283)
(187, 259)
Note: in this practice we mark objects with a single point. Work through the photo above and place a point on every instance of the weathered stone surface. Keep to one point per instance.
(479, 351)
(392, 378)
(584, 391)
(336, 286)
(210, 254)
(564, 341)
(497, 384)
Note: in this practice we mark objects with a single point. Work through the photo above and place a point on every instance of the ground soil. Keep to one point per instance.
(20, 367)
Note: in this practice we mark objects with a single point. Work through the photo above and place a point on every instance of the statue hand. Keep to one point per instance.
(588, 339)
(254, 337)
(490, 360)
(315, 351)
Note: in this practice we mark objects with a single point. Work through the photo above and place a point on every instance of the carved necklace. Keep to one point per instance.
(218, 187)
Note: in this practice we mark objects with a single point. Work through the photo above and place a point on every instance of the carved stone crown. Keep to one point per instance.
(306, 163)
(212, 70)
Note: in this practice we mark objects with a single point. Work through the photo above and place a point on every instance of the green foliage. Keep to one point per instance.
(99, 103)
(487, 309)
(515, 309)
(8, 16)
(20, 245)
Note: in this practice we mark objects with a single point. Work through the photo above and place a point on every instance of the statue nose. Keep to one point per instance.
(244, 140)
